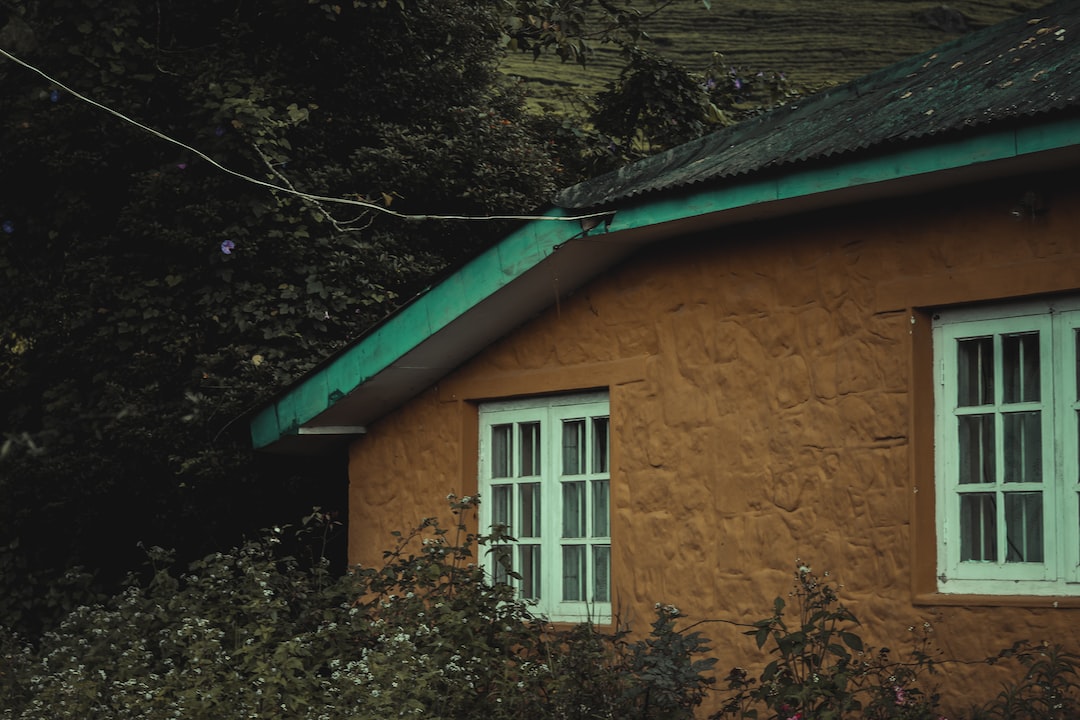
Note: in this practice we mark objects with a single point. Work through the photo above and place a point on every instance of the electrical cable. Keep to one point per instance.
(290, 191)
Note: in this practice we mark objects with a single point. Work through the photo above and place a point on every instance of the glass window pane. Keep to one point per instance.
(1023, 446)
(573, 447)
(600, 445)
(978, 527)
(573, 572)
(601, 573)
(529, 556)
(1024, 527)
(976, 449)
(530, 449)
(529, 494)
(502, 445)
(573, 509)
(975, 365)
(502, 505)
(601, 511)
(1020, 367)
(504, 563)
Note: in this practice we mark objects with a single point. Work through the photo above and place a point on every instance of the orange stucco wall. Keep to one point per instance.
(769, 400)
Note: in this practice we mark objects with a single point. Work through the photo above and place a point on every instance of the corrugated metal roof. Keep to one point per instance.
(1026, 66)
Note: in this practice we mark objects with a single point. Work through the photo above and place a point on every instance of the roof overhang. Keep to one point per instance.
(530, 269)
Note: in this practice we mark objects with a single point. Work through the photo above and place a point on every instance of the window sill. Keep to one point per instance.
(1022, 601)
(605, 628)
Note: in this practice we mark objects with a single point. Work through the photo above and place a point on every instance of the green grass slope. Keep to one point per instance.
(815, 42)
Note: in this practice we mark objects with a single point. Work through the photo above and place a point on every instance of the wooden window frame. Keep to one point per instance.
(935, 334)
(502, 492)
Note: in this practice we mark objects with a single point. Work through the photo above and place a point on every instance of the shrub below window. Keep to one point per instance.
(255, 633)
(252, 634)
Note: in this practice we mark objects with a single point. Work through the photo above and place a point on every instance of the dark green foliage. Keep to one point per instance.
(572, 29)
(148, 299)
(654, 103)
(1048, 690)
(822, 668)
(255, 632)
(268, 630)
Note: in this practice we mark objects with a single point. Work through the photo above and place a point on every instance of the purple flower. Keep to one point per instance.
(8, 227)
(710, 84)
(227, 247)
(181, 166)
(738, 84)
(54, 95)
(219, 131)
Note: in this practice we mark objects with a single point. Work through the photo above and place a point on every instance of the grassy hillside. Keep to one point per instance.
(815, 42)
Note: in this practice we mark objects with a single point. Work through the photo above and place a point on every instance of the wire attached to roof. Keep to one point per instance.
(288, 190)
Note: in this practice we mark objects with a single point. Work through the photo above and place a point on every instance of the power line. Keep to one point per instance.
(288, 190)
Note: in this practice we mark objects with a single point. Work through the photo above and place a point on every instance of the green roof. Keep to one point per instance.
(689, 189)
(1013, 72)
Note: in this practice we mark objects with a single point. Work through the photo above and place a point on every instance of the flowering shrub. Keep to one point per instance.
(260, 633)
(822, 669)
(255, 634)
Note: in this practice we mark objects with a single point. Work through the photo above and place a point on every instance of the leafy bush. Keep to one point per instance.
(822, 669)
(1048, 689)
(259, 632)
(255, 633)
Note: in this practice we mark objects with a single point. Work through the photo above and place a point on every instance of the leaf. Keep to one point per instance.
(761, 636)
(852, 640)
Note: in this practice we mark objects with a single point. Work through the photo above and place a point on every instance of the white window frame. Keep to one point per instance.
(506, 492)
(1057, 323)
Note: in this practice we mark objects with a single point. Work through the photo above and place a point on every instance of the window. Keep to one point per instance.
(1007, 433)
(545, 476)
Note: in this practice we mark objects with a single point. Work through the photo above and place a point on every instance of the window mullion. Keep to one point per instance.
(998, 404)
(1052, 486)
(551, 492)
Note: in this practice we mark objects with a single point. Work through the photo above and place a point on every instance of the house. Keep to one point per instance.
(846, 331)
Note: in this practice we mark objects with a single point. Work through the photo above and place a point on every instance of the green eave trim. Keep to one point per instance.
(901, 164)
(531, 244)
(434, 310)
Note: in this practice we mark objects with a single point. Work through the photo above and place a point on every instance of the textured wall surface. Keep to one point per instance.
(771, 417)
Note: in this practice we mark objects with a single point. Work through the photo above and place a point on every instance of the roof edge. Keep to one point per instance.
(798, 189)
(403, 330)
